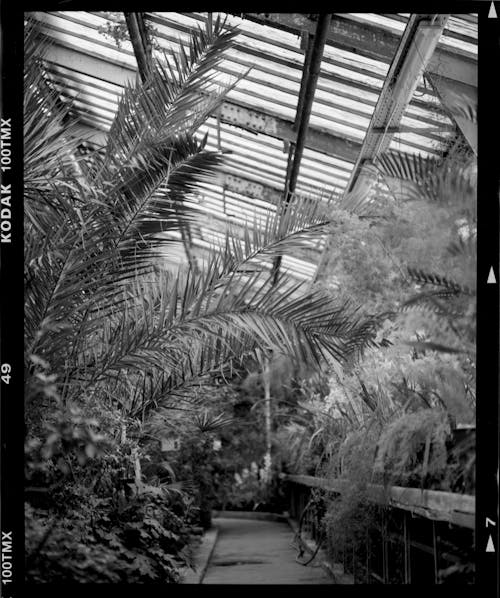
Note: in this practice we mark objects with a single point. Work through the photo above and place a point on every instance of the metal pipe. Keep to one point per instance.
(304, 114)
(314, 69)
(300, 105)
(139, 45)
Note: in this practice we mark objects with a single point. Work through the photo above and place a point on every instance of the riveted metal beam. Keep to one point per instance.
(248, 187)
(245, 186)
(238, 114)
(411, 58)
(280, 128)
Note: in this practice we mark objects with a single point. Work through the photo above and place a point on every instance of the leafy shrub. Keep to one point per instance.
(88, 519)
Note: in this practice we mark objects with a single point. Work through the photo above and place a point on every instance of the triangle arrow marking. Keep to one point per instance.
(491, 277)
(492, 13)
(489, 546)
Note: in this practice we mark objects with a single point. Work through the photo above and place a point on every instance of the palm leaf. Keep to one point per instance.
(437, 280)
(429, 178)
(206, 325)
(169, 103)
(101, 310)
(205, 422)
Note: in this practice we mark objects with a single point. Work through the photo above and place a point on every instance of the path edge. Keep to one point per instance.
(201, 559)
(254, 515)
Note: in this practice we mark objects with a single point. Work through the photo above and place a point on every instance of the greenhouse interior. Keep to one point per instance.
(250, 297)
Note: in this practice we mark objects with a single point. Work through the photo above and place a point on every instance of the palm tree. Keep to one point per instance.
(102, 311)
(450, 301)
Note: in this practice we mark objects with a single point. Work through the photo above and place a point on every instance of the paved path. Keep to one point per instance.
(258, 552)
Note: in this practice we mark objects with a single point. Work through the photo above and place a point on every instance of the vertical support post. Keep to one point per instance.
(406, 534)
(435, 551)
(367, 543)
(138, 38)
(267, 414)
(385, 551)
(137, 467)
(308, 46)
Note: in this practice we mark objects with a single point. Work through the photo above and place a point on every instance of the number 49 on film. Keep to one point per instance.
(5, 369)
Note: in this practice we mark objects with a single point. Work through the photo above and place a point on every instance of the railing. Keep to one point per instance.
(417, 536)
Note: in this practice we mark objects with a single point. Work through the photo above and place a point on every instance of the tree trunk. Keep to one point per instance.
(267, 412)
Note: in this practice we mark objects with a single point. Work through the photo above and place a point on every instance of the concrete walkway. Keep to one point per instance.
(258, 552)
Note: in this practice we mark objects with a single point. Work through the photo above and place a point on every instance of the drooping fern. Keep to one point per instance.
(413, 447)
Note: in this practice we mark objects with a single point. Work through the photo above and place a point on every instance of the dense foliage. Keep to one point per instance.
(402, 415)
(116, 344)
(133, 433)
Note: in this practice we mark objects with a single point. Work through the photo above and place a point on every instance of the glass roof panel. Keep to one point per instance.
(89, 67)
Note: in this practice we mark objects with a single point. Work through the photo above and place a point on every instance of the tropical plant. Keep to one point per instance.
(113, 337)
(88, 518)
(100, 307)
(400, 404)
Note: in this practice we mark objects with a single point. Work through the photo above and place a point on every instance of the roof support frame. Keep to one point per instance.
(321, 85)
(243, 116)
(75, 60)
(413, 54)
(370, 41)
(311, 70)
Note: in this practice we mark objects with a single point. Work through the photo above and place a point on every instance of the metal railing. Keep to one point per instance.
(415, 536)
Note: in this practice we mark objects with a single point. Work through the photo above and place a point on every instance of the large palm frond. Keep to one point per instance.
(174, 329)
(176, 98)
(101, 232)
(151, 135)
(451, 183)
(430, 178)
(48, 142)
(100, 306)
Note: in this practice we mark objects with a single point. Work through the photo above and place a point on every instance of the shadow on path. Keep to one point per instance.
(258, 552)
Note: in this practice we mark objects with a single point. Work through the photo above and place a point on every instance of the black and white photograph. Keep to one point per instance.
(250, 263)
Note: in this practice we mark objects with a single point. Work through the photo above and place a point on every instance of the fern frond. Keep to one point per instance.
(437, 280)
